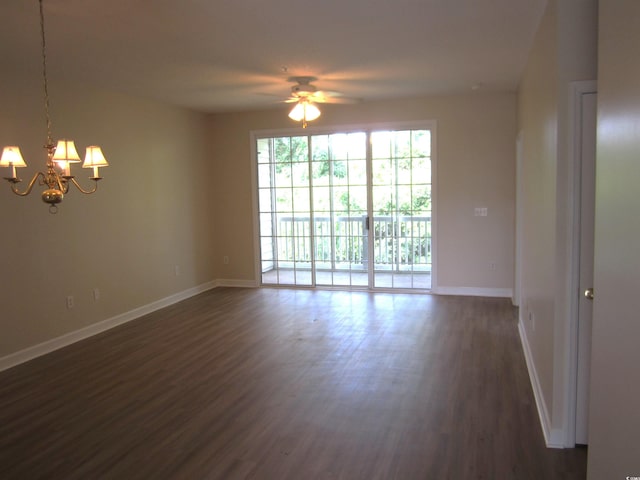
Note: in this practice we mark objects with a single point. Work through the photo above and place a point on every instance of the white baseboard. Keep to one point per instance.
(30, 353)
(553, 437)
(221, 282)
(474, 292)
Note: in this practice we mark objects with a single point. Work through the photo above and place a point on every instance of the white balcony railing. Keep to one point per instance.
(400, 243)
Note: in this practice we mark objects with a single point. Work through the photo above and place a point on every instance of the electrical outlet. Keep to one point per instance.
(70, 302)
(177, 270)
(492, 266)
(225, 260)
(96, 294)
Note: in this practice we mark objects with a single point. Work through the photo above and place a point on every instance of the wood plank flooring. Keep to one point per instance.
(285, 384)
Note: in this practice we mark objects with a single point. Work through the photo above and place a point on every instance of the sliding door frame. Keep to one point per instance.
(368, 128)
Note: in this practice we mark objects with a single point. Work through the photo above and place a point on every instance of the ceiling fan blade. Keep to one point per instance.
(279, 99)
(328, 93)
(332, 97)
(343, 100)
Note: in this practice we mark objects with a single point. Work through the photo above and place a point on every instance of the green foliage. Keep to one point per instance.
(401, 182)
(289, 150)
(348, 203)
(420, 203)
(339, 169)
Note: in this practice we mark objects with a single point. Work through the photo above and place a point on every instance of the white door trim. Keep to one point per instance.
(577, 89)
(517, 273)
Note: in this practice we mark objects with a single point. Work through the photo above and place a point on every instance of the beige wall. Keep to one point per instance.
(475, 168)
(564, 51)
(152, 212)
(614, 449)
(538, 123)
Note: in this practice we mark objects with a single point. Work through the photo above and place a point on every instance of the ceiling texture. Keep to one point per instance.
(234, 55)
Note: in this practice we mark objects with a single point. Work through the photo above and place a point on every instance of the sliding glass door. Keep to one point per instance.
(339, 192)
(284, 197)
(401, 198)
(346, 209)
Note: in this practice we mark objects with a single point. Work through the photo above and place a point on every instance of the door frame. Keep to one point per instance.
(577, 90)
(318, 130)
(517, 270)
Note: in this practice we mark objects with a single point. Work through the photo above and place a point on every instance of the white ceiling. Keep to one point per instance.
(226, 55)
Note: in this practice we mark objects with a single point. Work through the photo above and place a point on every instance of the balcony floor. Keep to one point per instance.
(348, 278)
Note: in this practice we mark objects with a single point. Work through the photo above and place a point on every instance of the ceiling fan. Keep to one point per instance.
(304, 89)
(305, 96)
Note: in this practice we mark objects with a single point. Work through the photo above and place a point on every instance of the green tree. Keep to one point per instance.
(290, 150)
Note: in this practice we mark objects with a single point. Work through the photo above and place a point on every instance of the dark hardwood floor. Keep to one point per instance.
(285, 384)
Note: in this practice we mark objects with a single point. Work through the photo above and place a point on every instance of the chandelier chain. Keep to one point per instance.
(44, 76)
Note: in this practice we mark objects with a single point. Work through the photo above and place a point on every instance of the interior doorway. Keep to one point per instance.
(581, 196)
(587, 168)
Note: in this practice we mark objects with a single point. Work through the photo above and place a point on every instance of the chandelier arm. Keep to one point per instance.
(86, 192)
(63, 183)
(27, 191)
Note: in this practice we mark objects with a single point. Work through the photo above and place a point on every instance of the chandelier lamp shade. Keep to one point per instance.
(304, 111)
(57, 177)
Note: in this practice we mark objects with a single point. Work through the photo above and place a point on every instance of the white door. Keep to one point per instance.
(587, 216)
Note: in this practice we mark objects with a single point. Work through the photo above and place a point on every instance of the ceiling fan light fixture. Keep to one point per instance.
(304, 111)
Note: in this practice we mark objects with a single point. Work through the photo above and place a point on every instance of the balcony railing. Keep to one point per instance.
(400, 243)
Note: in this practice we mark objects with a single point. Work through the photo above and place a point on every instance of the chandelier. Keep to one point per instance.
(57, 178)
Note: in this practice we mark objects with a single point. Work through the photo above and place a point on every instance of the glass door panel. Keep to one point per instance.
(401, 199)
(340, 206)
(284, 203)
